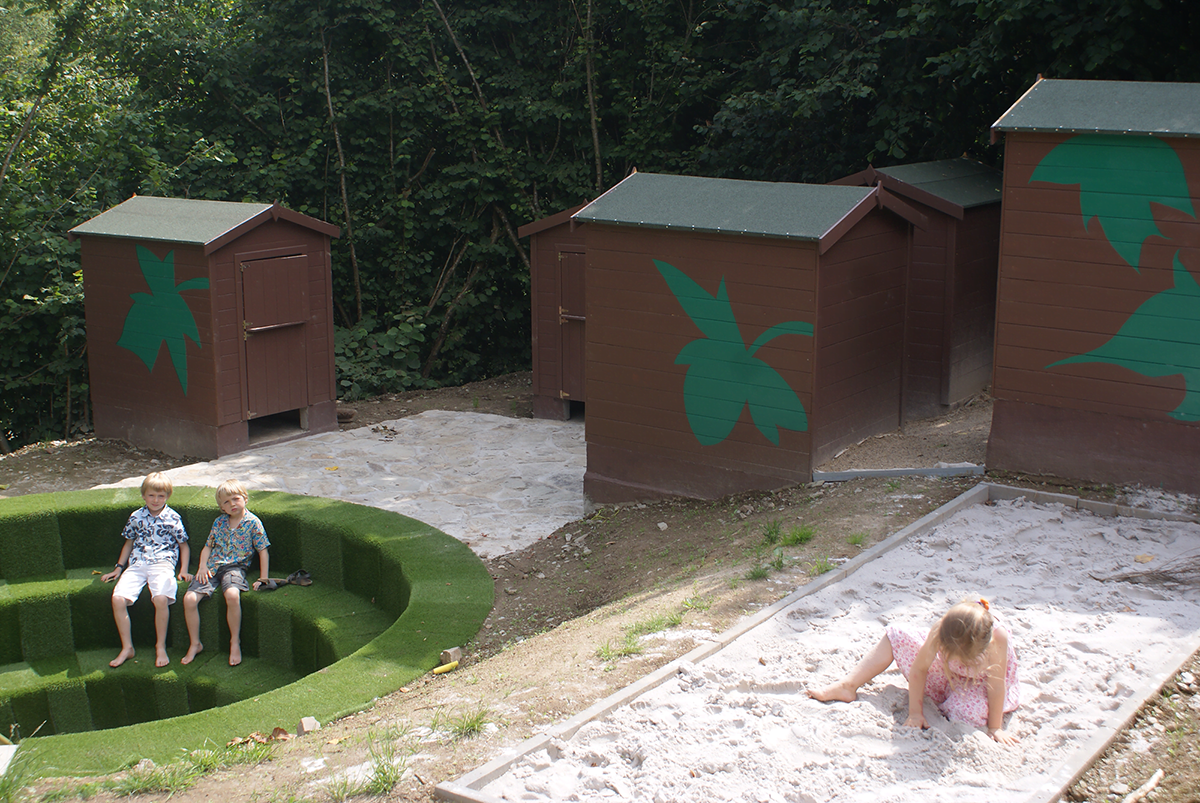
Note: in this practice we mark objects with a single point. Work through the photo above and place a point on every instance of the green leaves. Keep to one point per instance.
(1119, 179)
(724, 375)
(161, 316)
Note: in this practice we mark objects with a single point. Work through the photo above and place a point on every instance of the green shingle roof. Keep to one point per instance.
(726, 206)
(187, 220)
(964, 182)
(1106, 107)
(176, 220)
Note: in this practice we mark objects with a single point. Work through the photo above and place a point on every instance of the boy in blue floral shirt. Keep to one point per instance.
(235, 536)
(155, 541)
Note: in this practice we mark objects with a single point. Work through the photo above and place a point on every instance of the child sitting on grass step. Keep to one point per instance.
(234, 538)
(155, 542)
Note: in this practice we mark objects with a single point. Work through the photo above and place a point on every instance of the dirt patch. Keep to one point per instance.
(602, 602)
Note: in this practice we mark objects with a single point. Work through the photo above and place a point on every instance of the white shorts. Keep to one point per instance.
(159, 576)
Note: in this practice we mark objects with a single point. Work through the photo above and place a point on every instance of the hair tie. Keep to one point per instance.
(984, 603)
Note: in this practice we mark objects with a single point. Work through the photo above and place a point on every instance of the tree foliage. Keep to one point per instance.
(429, 130)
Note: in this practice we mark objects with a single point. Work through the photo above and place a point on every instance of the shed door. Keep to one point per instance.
(571, 318)
(275, 311)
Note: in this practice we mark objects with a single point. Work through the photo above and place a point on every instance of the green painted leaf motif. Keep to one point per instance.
(1162, 338)
(162, 315)
(723, 375)
(1118, 178)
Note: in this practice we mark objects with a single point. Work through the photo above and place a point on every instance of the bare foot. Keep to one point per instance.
(235, 654)
(123, 656)
(839, 692)
(160, 656)
(192, 652)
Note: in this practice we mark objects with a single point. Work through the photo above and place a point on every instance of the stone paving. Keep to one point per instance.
(497, 484)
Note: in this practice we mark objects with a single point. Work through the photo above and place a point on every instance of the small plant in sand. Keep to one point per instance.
(251, 753)
(697, 603)
(771, 530)
(148, 778)
(468, 726)
(655, 624)
(822, 565)
(386, 768)
(758, 572)
(799, 534)
(857, 539)
(475, 402)
(777, 559)
(630, 644)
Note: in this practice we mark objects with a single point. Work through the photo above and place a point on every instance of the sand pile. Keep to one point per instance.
(738, 726)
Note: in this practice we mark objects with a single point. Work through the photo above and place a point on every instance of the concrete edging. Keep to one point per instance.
(467, 788)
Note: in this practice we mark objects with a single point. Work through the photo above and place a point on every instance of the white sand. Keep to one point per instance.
(738, 727)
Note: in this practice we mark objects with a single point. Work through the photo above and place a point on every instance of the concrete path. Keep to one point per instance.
(497, 484)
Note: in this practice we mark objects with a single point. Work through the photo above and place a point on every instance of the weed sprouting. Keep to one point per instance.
(822, 565)
(770, 531)
(857, 539)
(758, 572)
(798, 535)
(777, 559)
(630, 644)
(468, 726)
(168, 778)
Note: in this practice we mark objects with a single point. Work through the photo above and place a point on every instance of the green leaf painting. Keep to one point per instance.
(1161, 339)
(1119, 179)
(162, 315)
(723, 374)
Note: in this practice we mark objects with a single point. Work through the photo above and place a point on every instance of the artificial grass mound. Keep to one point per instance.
(389, 594)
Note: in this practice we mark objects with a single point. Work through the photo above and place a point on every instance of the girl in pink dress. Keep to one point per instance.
(965, 664)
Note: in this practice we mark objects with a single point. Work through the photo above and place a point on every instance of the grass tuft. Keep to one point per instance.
(468, 726)
(822, 565)
(771, 530)
(798, 535)
(759, 572)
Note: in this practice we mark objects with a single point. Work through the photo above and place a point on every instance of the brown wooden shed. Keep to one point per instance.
(558, 300)
(1097, 363)
(952, 278)
(738, 332)
(210, 324)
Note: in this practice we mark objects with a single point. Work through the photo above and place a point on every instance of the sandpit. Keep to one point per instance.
(738, 726)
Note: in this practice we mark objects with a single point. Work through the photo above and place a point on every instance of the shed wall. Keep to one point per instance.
(928, 335)
(150, 408)
(1066, 291)
(973, 304)
(545, 298)
(860, 335)
(641, 443)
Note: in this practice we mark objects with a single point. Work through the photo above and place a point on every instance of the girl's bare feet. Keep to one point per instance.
(123, 656)
(193, 651)
(160, 656)
(841, 692)
(235, 654)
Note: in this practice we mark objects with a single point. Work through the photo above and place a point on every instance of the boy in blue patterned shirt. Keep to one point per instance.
(155, 541)
(235, 536)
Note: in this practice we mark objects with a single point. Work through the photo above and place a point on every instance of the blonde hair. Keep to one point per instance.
(231, 488)
(964, 633)
(157, 481)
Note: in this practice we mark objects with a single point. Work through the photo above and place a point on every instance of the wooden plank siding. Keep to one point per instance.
(1064, 290)
(545, 247)
(860, 335)
(640, 442)
(111, 276)
(973, 305)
